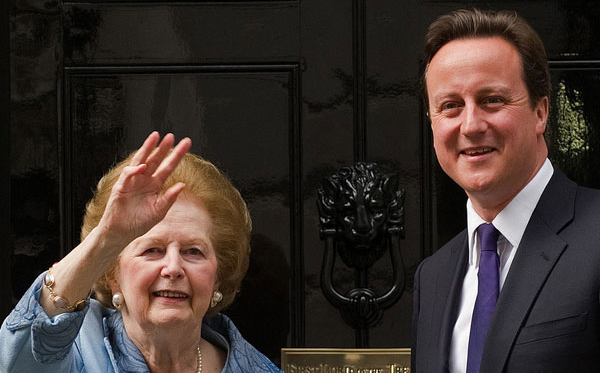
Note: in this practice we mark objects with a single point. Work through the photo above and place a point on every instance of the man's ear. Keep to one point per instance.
(541, 113)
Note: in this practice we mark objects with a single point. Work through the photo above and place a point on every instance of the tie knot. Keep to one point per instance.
(488, 236)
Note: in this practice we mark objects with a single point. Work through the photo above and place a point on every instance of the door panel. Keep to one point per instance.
(5, 253)
(34, 238)
(180, 33)
(327, 129)
(242, 118)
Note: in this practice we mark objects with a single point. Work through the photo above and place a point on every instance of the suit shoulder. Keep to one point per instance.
(588, 195)
(587, 203)
(447, 250)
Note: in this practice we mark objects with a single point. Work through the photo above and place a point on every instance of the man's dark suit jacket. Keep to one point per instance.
(547, 315)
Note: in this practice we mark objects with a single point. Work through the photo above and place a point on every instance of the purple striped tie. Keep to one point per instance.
(487, 295)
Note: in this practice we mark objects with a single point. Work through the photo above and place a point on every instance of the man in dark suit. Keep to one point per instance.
(519, 289)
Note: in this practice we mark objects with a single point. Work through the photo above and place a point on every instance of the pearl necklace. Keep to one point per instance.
(199, 360)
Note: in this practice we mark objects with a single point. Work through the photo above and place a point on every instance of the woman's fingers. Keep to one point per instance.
(136, 201)
(127, 174)
(169, 196)
(160, 153)
(152, 164)
(146, 149)
(167, 166)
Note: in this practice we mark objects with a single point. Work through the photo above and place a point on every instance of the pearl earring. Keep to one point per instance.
(117, 300)
(216, 298)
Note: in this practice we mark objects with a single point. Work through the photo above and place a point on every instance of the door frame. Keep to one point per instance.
(5, 252)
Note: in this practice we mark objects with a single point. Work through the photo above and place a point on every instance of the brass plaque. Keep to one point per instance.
(345, 360)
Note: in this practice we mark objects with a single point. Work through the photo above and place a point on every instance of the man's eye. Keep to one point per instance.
(449, 106)
(493, 100)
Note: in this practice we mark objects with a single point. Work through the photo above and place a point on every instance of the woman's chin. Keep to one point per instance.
(171, 317)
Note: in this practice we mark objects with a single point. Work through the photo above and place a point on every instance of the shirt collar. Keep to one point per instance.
(513, 219)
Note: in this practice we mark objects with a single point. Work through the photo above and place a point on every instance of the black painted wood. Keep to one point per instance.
(359, 70)
(5, 252)
(180, 33)
(298, 309)
(259, 2)
(292, 91)
(243, 117)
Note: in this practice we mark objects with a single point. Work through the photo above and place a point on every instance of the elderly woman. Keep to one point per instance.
(165, 247)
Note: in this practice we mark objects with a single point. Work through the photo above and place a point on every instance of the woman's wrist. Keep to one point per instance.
(105, 244)
(59, 301)
(68, 283)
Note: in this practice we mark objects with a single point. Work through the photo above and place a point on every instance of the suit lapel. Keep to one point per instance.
(449, 289)
(537, 254)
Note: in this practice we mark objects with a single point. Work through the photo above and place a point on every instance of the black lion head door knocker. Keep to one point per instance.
(361, 218)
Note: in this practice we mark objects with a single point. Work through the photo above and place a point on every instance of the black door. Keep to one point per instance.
(279, 94)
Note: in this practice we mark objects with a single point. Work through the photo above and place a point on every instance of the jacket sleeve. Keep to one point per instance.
(30, 341)
(415, 317)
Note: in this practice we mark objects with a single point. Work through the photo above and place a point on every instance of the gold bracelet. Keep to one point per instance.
(61, 302)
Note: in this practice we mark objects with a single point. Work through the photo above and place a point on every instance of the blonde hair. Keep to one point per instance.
(230, 230)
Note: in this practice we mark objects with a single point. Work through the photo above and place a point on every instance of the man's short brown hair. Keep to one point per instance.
(475, 23)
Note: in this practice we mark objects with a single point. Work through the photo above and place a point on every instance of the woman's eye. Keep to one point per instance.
(152, 251)
(194, 251)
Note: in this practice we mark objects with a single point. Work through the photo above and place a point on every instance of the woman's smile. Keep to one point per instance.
(171, 267)
(170, 297)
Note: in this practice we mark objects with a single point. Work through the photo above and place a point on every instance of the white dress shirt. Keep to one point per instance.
(511, 223)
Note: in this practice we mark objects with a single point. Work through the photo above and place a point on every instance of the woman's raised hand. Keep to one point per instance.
(136, 203)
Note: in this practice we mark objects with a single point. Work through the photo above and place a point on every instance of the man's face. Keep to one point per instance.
(487, 137)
